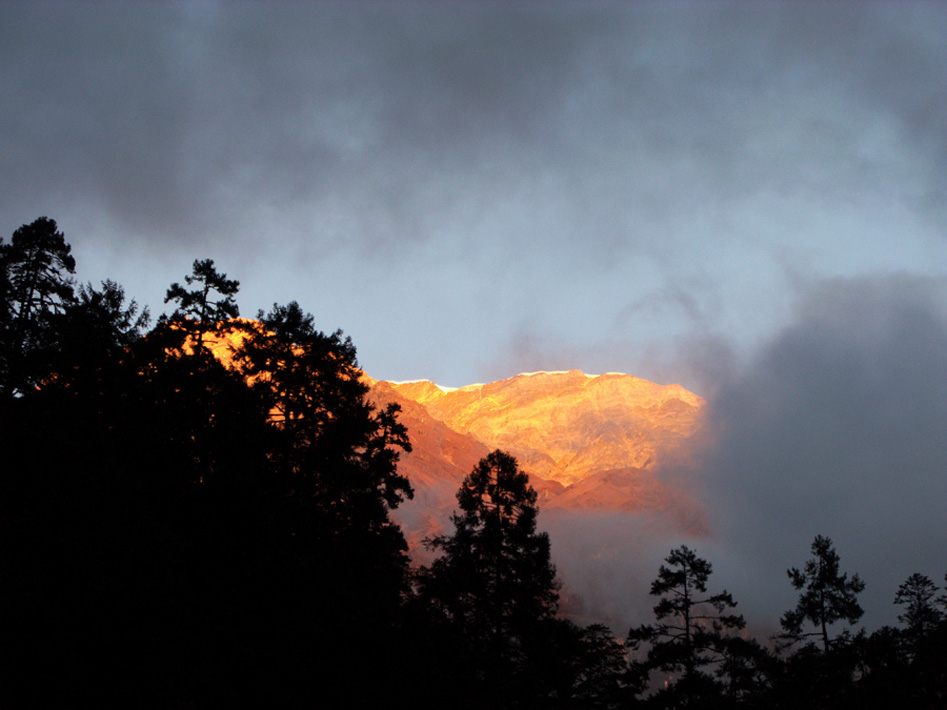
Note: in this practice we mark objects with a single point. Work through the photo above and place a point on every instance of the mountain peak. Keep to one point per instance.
(588, 442)
(565, 425)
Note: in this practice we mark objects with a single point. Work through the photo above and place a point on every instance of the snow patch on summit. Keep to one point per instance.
(554, 372)
(443, 389)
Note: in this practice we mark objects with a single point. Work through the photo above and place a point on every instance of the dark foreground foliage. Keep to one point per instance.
(177, 532)
(166, 538)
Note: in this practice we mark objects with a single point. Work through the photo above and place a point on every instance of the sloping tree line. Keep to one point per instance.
(179, 528)
(166, 539)
(183, 529)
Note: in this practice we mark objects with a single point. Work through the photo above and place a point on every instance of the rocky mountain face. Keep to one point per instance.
(591, 444)
(588, 443)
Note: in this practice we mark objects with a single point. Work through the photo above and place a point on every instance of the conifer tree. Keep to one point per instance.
(494, 582)
(333, 483)
(337, 449)
(602, 668)
(827, 596)
(36, 269)
(917, 595)
(200, 309)
(691, 624)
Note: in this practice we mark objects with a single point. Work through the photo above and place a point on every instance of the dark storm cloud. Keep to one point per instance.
(343, 122)
(837, 429)
(95, 112)
(608, 177)
(169, 115)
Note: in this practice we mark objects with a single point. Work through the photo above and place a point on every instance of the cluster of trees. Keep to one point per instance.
(185, 526)
(198, 513)
(179, 531)
(700, 655)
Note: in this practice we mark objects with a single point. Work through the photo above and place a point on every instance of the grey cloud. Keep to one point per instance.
(837, 428)
(698, 361)
(606, 562)
(170, 116)
(693, 151)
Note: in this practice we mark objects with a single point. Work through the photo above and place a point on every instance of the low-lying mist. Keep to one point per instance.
(836, 427)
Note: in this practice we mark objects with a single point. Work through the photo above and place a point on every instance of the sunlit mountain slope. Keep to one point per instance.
(590, 443)
(564, 426)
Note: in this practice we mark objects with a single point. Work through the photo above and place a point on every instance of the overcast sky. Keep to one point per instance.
(474, 190)
(749, 199)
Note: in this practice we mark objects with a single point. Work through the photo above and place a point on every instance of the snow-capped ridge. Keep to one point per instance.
(551, 372)
(443, 389)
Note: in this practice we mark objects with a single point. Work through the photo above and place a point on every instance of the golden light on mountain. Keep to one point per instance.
(563, 426)
(588, 442)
